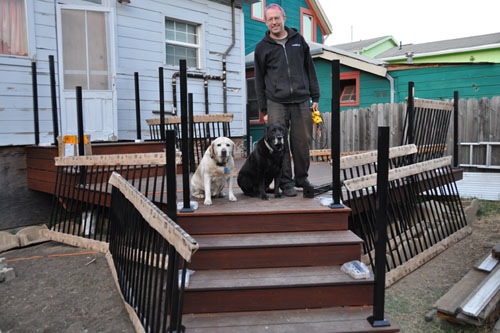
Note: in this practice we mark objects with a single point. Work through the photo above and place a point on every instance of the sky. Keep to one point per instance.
(411, 22)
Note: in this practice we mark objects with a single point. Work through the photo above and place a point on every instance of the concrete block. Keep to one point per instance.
(471, 211)
(32, 235)
(7, 274)
(8, 241)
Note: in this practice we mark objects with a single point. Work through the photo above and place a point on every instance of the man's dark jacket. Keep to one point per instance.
(284, 74)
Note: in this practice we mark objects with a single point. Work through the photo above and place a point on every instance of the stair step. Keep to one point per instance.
(283, 249)
(331, 320)
(255, 221)
(274, 289)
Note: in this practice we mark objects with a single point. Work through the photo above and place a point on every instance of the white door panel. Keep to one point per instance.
(85, 61)
(97, 123)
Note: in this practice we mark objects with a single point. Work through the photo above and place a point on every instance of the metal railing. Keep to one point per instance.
(151, 254)
(203, 130)
(82, 194)
(424, 208)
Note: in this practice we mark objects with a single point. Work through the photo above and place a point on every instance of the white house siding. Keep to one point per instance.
(16, 95)
(139, 47)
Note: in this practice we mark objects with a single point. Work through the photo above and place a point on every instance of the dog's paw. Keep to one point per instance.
(278, 195)
(264, 196)
(198, 195)
(232, 197)
(207, 202)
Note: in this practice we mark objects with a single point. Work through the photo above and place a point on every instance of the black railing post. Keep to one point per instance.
(53, 96)
(248, 146)
(410, 109)
(456, 161)
(184, 130)
(377, 319)
(162, 104)
(171, 175)
(137, 106)
(335, 135)
(79, 118)
(81, 134)
(35, 102)
(192, 166)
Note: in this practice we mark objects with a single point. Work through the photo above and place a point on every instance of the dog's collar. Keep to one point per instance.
(220, 164)
(268, 146)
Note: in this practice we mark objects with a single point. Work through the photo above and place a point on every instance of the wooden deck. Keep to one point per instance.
(274, 265)
(264, 265)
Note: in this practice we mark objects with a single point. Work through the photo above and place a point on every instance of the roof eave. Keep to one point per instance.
(442, 52)
(378, 70)
(321, 15)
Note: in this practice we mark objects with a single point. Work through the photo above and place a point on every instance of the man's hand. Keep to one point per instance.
(314, 106)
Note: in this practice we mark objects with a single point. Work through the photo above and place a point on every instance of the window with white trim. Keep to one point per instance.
(307, 27)
(13, 28)
(257, 10)
(182, 42)
(308, 24)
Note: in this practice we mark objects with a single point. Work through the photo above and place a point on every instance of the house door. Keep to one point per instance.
(85, 61)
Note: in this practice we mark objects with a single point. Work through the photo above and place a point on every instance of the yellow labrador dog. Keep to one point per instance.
(215, 171)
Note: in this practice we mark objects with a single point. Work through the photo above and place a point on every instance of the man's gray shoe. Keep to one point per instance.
(306, 183)
(289, 191)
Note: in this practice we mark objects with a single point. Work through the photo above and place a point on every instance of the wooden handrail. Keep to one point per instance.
(205, 118)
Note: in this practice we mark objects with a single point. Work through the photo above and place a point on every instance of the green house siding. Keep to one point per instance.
(255, 30)
(471, 81)
(373, 89)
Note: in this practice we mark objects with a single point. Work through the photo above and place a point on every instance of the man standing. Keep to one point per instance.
(286, 82)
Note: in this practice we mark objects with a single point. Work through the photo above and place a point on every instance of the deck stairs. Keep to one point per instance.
(275, 271)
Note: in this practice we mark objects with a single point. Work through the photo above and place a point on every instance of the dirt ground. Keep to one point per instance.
(59, 288)
(410, 299)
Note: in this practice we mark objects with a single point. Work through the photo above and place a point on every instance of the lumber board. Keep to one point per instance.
(399, 173)
(484, 293)
(205, 118)
(450, 302)
(185, 245)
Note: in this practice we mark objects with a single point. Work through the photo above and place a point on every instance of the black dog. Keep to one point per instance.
(264, 164)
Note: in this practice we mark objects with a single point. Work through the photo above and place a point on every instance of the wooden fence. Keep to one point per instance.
(479, 121)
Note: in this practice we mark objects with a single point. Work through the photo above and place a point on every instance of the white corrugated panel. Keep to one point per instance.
(480, 185)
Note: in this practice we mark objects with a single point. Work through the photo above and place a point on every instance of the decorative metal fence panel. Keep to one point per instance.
(150, 254)
(424, 206)
(205, 128)
(82, 193)
(478, 122)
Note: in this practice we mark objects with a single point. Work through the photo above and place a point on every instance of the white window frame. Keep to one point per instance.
(308, 24)
(308, 27)
(197, 46)
(257, 10)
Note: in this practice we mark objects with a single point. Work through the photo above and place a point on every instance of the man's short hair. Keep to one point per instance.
(274, 6)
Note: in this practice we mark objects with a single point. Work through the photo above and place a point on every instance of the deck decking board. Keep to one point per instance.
(277, 239)
(325, 320)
